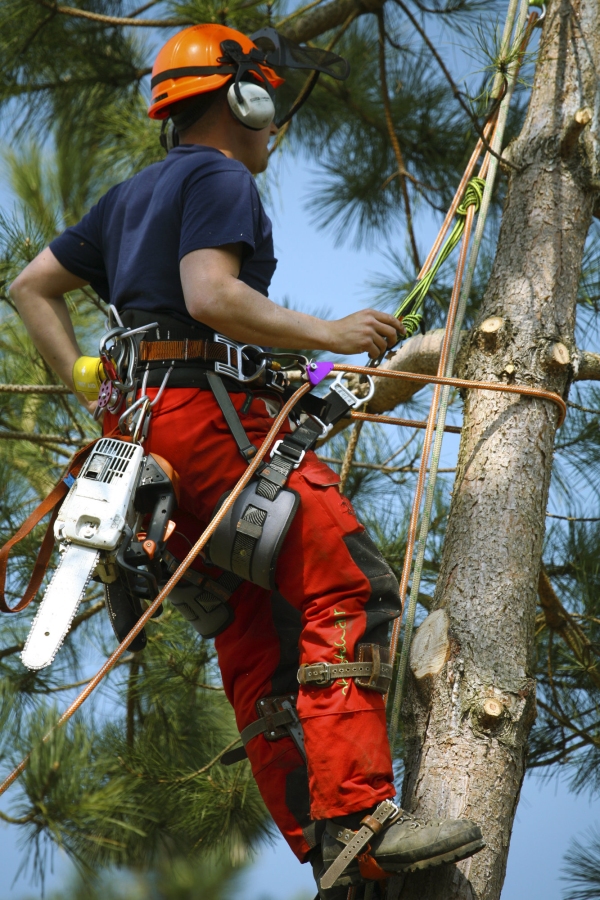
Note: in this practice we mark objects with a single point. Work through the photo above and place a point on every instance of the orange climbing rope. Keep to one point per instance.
(461, 383)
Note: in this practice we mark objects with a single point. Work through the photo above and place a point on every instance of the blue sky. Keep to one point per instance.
(315, 274)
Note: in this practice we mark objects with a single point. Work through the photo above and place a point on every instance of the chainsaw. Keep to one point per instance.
(98, 531)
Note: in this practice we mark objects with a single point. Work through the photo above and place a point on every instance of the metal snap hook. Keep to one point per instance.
(541, 15)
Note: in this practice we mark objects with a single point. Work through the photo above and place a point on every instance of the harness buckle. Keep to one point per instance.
(319, 674)
(288, 458)
(234, 367)
(326, 428)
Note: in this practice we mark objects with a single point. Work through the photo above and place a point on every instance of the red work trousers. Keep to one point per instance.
(338, 592)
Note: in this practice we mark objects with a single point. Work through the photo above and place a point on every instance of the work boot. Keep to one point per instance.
(402, 844)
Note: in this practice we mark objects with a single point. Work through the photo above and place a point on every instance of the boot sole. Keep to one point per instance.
(451, 856)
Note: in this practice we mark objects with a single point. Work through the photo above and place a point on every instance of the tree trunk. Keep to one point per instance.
(469, 709)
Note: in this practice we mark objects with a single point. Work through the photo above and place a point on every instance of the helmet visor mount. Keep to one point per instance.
(282, 53)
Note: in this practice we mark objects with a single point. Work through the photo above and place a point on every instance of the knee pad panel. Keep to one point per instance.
(248, 540)
(384, 602)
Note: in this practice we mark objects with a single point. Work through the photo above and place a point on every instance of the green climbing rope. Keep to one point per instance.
(411, 306)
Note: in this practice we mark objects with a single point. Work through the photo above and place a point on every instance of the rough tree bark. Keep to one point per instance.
(469, 709)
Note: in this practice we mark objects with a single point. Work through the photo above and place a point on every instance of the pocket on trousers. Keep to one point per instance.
(324, 483)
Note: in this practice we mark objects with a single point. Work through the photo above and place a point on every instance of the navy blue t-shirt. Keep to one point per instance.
(129, 245)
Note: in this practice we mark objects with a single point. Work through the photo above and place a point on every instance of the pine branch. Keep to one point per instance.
(114, 20)
(296, 13)
(458, 94)
(559, 621)
(563, 720)
(23, 820)
(33, 437)
(185, 778)
(34, 389)
(573, 518)
(395, 142)
(324, 18)
(76, 684)
(561, 755)
(376, 467)
(143, 8)
(308, 86)
(77, 621)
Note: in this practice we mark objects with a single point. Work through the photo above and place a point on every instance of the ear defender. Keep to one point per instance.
(169, 136)
(251, 105)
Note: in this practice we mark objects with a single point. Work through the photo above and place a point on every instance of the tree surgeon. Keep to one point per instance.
(185, 248)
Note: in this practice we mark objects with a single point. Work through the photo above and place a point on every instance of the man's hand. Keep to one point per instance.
(368, 331)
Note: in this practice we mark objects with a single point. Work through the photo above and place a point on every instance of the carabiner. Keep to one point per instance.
(347, 395)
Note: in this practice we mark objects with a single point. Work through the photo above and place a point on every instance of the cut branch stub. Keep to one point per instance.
(491, 713)
(556, 356)
(431, 646)
(573, 132)
(587, 366)
(488, 333)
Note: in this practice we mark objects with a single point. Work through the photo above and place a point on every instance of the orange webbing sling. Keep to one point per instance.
(50, 504)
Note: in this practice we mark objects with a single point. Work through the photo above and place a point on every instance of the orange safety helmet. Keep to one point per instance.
(192, 62)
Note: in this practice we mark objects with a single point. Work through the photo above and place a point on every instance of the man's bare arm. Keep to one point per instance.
(38, 295)
(215, 296)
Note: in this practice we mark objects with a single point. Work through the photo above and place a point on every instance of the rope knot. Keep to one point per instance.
(472, 197)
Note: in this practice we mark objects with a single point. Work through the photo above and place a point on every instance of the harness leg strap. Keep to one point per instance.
(373, 670)
(247, 449)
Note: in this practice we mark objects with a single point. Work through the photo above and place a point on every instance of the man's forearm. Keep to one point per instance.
(215, 296)
(245, 315)
(49, 325)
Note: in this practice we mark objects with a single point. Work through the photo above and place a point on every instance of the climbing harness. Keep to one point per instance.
(250, 537)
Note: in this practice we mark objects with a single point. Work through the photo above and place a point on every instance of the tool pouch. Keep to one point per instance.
(248, 540)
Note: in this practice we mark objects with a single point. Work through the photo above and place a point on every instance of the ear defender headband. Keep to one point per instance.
(251, 103)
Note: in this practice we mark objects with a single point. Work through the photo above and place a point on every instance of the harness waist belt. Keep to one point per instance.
(190, 348)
